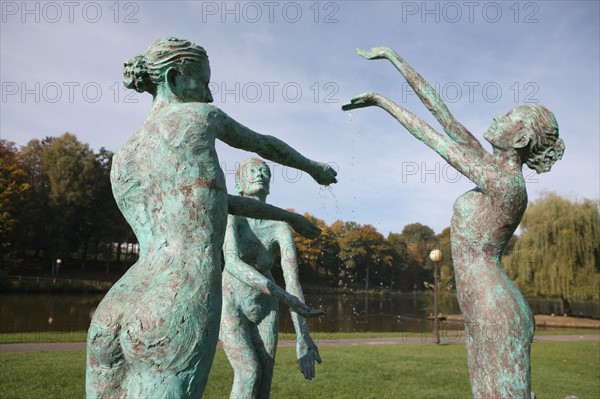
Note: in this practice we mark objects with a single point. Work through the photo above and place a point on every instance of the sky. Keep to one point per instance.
(284, 68)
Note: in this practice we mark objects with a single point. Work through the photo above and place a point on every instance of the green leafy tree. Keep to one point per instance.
(558, 252)
(72, 174)
(364, 251)
(35, 213)
(70, 208)
(447, 282)
(405, 277)
(103, 228)
(413, 246)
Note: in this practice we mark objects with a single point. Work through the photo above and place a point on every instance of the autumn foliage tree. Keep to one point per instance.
(364, 251)
(13, 195)
(321, 254)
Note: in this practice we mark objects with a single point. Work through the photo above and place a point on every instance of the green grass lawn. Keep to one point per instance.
(80, 336)
(425, 371)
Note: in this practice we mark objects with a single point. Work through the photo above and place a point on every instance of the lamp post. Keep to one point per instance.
(436, 257)
(58, 263)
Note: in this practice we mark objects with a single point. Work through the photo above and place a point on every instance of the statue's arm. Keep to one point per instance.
(249, 207)
(239, 136)
(306, 350)
(427, 94)
(470, 163)
(247, 274)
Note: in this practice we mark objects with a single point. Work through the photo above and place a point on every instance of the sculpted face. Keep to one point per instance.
(506, 130)
(255, 179)
(191, 83)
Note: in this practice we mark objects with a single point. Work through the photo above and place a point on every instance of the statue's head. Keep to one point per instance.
(532, 131)
(176, 64)
(253, 177)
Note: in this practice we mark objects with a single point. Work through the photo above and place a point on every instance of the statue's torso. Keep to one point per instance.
(257, 245)
(482, 224)
(167, 179)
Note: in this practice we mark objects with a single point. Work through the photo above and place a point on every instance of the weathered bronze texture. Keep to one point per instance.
(154, 334)
(250, 315)
(498, 320)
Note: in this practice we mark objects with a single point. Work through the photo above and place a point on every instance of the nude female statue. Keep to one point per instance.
(155, 332)
(498, 320)
(250, 315)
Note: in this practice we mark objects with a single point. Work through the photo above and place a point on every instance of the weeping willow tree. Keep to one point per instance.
(558, 252)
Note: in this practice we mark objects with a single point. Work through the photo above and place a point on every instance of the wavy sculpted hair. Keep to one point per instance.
(146, 72)
(545, 147)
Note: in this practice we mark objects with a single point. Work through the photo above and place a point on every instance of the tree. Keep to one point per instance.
(34, 214)
(103, 225)
(67, 209)
(69, 165)
(406, 274)
(446, 265)
(13, 194)
(320, 253)
(420, 240)
(413, 246)
(558, 252)
(363, 250)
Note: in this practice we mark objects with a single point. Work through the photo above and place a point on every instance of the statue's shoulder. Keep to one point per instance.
(195, 110)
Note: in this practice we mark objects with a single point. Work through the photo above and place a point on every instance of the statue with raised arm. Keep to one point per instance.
(498, 320)
(155, 332)
(250, 315)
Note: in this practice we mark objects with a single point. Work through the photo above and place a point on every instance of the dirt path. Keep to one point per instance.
(544, 321)
(325, 342)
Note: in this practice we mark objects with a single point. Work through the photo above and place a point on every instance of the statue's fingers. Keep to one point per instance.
(312, 367)
(304, 367)
(317, 356)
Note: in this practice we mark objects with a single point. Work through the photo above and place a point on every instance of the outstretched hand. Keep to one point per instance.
(324, 174)
(294, 303)
(307, 353)
(368, 99)
(376, 53)
(360, 101)
(304, 310)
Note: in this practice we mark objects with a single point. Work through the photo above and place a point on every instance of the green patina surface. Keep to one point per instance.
(498, 321)
(250, 315)
(155, 332)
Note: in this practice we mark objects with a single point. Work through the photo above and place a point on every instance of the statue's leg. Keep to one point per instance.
(267, 347)
(499, 360)
(169, 336)
(498, 373)
(238, 336)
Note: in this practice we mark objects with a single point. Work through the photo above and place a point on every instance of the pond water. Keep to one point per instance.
(26, 312)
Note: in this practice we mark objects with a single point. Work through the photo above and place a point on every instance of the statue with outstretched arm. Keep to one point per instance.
(155, 332)
(498, 321)
(250, 314)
